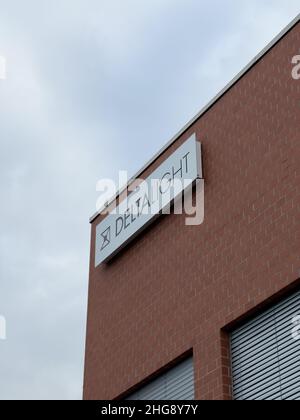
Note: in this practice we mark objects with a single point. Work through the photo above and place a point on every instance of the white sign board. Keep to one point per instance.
(158, 191)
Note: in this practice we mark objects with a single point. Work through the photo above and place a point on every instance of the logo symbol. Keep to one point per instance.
(106, 235)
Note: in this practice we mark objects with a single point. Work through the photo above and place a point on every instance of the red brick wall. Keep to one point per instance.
(176, 287)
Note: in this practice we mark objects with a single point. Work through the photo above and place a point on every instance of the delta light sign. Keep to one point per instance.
(150, 198)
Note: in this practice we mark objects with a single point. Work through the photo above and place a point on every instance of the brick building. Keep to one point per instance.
(214, 305)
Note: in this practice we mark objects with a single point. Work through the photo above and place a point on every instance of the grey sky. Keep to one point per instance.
(93, 86)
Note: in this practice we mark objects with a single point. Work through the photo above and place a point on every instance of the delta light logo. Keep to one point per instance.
(176, 186)
(296, 68)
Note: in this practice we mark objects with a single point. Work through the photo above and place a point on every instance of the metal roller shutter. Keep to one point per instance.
(176, 384)
(266, 356)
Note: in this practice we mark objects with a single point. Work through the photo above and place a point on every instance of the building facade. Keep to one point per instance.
(212, 312)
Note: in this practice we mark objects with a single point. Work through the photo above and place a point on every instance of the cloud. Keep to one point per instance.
(92, 87)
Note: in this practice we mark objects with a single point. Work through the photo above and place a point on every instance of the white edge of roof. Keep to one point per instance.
(203, 110)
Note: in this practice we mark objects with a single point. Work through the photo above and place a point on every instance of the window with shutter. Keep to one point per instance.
(176, 384)
(266, 354)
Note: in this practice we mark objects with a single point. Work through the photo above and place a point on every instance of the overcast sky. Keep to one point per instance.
(93, 86)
